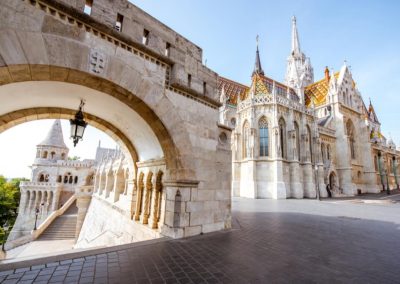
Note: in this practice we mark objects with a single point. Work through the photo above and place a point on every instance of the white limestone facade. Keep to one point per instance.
(303, 139)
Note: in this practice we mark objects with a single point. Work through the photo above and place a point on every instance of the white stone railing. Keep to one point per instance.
(71, 163)
(269, 99)
(39, 184)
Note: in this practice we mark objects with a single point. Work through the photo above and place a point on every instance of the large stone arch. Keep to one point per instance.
(19, 110)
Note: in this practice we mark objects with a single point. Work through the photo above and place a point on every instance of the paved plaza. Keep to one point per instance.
(272, 241)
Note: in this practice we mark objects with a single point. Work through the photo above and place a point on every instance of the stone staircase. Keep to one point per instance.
(63, 227)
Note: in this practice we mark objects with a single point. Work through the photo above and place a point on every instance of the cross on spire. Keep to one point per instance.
(257, 64)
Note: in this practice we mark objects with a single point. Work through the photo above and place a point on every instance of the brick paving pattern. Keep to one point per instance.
(263, 247)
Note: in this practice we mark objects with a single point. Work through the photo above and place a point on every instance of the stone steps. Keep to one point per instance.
(62, 228)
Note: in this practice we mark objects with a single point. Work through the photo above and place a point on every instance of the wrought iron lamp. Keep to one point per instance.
(78, 125)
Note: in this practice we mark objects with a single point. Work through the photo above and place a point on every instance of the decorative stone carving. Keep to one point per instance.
(97, 62)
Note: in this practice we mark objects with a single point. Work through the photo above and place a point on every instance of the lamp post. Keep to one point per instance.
(6, 226)
(78, 125)
(36, 216)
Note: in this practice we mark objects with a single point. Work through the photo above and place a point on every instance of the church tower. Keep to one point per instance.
(299, 71)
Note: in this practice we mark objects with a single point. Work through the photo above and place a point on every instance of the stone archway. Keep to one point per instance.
(52, 55)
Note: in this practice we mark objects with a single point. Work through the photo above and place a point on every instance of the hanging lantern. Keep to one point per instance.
(78, 125)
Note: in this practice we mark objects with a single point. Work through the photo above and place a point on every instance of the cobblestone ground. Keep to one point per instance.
(288, 241)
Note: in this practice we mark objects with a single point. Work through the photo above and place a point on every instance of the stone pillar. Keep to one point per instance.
(82, 202)
(176, 223)
(131, 193)
(147, 199)
(140, 189)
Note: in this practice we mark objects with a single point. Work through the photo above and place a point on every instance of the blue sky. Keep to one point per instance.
(363, 32)
(366, 33)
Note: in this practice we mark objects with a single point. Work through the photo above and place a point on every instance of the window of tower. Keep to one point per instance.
(263, 129)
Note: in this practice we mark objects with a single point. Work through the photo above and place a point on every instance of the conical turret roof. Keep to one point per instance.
(54, 137)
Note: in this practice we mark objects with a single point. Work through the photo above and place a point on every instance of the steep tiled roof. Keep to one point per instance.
(318, 91)
(232, 89)
(262, 84)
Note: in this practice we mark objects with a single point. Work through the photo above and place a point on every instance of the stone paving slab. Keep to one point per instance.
(263, 247)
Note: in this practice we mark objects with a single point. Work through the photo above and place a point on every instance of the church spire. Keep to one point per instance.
(257, 64)
(295, 38)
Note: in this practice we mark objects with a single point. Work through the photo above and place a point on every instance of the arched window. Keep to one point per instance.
(59, 178)
(310, 143)
(263, 128)
(53, 154)
(297, 133)
(282, 137)
(44, 155)
(41, 178)
(70, 179)
(246, 140)
(350, 135)
(76, 179)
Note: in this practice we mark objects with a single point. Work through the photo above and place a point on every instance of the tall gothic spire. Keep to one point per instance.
(295, 38)
(257, 64)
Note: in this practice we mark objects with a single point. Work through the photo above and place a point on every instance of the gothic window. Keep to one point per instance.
(41, 178)
(246, 140)
(297, 132)
(263, 128)
(282, 137)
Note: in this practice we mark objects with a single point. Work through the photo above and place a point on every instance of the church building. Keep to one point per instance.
(304, 139)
